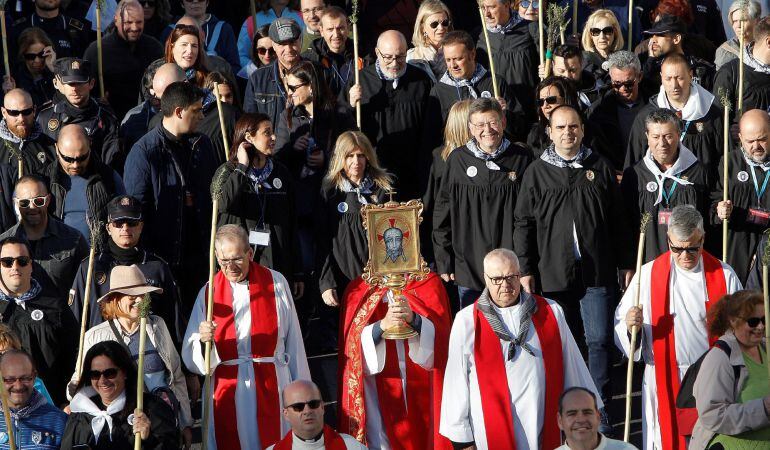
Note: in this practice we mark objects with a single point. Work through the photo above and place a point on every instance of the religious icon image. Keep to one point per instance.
(393, 237)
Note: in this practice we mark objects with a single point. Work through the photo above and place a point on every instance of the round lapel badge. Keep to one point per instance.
(130, 419)
(37, 315)
(590, 175)
(743, 176)
(471, 171)
(512, 175)
(41, 157)
(3, 437)
(652, 186)
(342, 207)
(277, 183)
(486, 94)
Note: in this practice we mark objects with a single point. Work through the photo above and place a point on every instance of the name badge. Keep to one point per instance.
(758, 216)
(260, 237)
(664, 216)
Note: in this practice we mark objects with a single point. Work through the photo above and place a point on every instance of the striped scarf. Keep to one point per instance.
(528, 308)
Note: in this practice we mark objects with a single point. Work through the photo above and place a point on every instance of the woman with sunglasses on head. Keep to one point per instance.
(34, 69)
(162, 366)
(550, 93)
(157, 16)
(104, 414)
(732, 389)
(601, 36)
(434, 21)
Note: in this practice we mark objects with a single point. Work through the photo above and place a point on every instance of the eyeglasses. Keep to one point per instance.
(109, 374)
(497, 281)
(34, 56)
(312, 11)
(37, 202)
(623, 84)
(129, 222)
(391, 58)
(26, 379)
(230, 262)
(300, 406)
(73, 160)
(494, 124)
(754, 322)
(263, 50)
(526, 4)
(551, 100)
(607, 31)
(446, 23)
(7, 261)
(17, 112)
(677, 250)
(293, 88)
(147, 3)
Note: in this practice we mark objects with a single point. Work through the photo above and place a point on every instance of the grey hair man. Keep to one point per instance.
(674, 292)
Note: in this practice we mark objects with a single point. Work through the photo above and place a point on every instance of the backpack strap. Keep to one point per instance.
(725, 347)
(212, 45)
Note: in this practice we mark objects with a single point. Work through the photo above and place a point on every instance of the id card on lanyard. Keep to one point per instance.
(664, 214)
(758, 215)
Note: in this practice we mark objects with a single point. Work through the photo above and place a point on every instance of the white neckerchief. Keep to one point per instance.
(698, 103)
(685, 160)
(765, 166)
(82, 403)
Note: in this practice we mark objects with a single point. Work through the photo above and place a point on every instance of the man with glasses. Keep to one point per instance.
(42, 321)
(37, 423)
(477, 198)
(70, 35)
(73, 79)
(256, 336)
(394, 96)
(675, 293)
(56, 247)
(80, 185)
(124, 227)
(508, 399)
(22, 135)
(333, 52)
(304, 410)
(312, 11)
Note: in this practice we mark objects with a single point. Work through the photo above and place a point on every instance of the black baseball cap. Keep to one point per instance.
(124, 207)
(72, 70)
(284, 30)
(667, 24)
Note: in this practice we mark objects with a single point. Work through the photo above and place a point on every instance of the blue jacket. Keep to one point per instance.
(42, 428)
(154, 176)
(265, 93)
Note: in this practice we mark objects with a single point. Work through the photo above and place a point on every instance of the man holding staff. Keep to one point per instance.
(676, 290)
(256, 336)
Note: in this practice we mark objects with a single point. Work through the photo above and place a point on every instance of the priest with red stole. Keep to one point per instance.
(257, 350)
(676, 290)
(511, 354)
(390, 390)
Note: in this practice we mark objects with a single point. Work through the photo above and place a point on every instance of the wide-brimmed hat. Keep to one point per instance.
(128, 280)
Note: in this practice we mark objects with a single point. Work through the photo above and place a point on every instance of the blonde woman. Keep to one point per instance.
(601, 36)
(433, 22)
(354, 179)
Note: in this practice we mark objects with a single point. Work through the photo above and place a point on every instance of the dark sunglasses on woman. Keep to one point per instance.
(754, 322)
(551, 100)
(109, 374)
(607, 31)
(444, 23)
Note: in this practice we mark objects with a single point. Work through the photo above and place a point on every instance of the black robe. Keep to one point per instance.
(435, 179)
(636, 184)
(612, 140)
(743, 236)
(704, 137)
(393, 120)
(473, 213)
(756, 87)
(550, 200)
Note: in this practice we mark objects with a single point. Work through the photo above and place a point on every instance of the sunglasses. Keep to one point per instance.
(263, 50)
(299, 407)
(147, 3)
(34, 56)
(293, 88)
(607, 31)
(120, 223)
(678, 250)
(109, 374)
(17, 112)
(7, 261)
(754, 322)
(444, 23)
(37, 202)
(623, 84)
(551, 100)
(71, 160)
(525, 4)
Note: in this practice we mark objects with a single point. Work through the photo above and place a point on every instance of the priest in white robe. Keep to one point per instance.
(527, 356)
(671, 295)
(257, 350)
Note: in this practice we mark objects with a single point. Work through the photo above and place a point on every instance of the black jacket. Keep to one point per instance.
(756, 87)
(614, 120)
(702, 70)
(70, 35)
(35, 153)
(136, 124)
(41, 90)
(8, 177)
(336, 69)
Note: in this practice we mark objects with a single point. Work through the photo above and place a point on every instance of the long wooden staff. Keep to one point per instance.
(16, 153)
(144, 311)
(646, 217)
(725, 178)
(7, 414)
(742, 45)
(221, 120)
(489, 52)
(766, 292)
(4, 32)
(356, 66)
(95, 229)
(216, 193)
(555, 22)
(574, 17)
(540, 34)
(99, 57)
(631, 25)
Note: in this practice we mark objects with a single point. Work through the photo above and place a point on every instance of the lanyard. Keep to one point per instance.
(667, 196)
(759, 192)
(339, 75)
(684, 130)
(262, 200)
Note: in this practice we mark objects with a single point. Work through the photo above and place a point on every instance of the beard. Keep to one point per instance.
(22, 130)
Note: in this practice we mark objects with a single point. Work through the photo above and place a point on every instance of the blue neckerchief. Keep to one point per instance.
(34, 290)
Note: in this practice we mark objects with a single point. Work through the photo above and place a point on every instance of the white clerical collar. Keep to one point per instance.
(313, 444)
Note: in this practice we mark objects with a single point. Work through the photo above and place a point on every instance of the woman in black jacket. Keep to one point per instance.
(103, 410)
(550, 93)
(34, 71)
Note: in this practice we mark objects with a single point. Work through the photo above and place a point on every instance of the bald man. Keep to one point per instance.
(127, 52)
(303, 408)
(23, 134)
(394, 100)
(748, 207)
(80, 185)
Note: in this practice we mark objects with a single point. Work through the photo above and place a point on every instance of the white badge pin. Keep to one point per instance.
(3, 437)
(471, 171)
(492, 166)
(37, 437)
(277, 183)
(37, 315)
(130, 419)
(743, 176)
(486, 94)
(342, 207)
(652, 186)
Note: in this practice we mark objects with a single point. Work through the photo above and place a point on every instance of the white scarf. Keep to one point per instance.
(697, 106)
(765, 166)
(683, 162)
(82, 403)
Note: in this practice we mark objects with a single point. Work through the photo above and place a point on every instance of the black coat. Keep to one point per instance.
(35, 154)
(756, 87)
(41, 90)
(474, 209)
(550, 200)
(8, 177)
(336, 69)
(703, 71)
(612, 139)
(435, 179)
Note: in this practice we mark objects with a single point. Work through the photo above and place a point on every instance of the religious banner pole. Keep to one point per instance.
(575, 4)
(4, 31)
(630, 25)
(540, 34)
(221, 120)
(95, 229)
(489, 51)
(357, 66)
(555, 22)
(7, 415)
(765, 291)
(741, 45)
(144, 311)
(99, 56)
(646, 217)
(726, 162)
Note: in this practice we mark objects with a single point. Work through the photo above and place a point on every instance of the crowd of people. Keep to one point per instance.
(280, 125)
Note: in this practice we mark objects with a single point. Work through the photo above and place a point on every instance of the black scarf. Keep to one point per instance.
(125, 256)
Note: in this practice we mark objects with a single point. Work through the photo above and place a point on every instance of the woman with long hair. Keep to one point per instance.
(601, 36)
(434, 21)
(552, 92)
(157, 16)
(33, 71)
(183, 48)
(261, 53)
